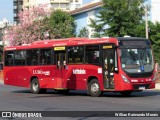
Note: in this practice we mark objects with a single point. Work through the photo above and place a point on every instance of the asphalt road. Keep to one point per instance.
(21, 99)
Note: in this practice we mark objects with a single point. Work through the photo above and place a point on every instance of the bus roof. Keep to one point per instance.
(63, 42)
(71, 42)
(131, 38)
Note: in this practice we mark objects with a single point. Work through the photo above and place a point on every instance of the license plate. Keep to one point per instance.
(142, 88)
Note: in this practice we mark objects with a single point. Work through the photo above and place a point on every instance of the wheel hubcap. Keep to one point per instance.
(95, 88)
(35, 86)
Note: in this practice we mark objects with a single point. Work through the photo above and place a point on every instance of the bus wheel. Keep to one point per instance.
(94, 88)
(125, 93)
(35, 87)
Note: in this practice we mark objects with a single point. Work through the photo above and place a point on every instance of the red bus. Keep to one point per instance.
(123, 64)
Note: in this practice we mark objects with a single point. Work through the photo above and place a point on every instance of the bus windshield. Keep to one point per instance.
(137, 60)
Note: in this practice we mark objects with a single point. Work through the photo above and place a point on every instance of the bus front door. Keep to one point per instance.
(108, 67)
(60, 60)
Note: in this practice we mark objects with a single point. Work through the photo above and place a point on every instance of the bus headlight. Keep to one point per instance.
(125, 79)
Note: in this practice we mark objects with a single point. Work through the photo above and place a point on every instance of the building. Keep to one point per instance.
(85, 2)
(75, 4)
(66, 5)
(17, 6)
(83, 10)
(91, 8)
(3, 25)
(84, 14)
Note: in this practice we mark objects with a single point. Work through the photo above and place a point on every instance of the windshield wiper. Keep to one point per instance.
(142, 56)
(133, 56)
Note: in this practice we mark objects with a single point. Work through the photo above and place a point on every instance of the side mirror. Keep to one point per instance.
(116, 62)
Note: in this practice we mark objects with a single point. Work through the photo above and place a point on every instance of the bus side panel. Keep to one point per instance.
(77, 76)
(16, 78)
(45, 75)
(22, 76)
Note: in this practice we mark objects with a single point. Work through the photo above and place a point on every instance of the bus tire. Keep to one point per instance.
(35, 86)
(94, 88)
(125, 93)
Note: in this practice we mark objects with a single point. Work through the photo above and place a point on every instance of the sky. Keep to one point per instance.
(6, 10)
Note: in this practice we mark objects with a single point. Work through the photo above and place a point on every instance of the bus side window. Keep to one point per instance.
(9, 58)
(32, 57)
(70, 60)
(20, 57)
(76, 55)
(45, 56)
(92, 54)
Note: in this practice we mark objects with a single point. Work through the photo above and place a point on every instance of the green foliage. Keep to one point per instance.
(154, 36)
(97, 27)
(125, 17)
(60, 24)
(118, 18)
(84, 32)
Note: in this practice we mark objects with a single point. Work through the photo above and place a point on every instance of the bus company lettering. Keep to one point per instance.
(79, 71)
(41, 72)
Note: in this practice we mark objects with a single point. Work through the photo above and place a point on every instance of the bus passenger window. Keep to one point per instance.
(32, 57)
(20, 57)
(92, 54)
(76, 55)
(45, 56)
(9, 58)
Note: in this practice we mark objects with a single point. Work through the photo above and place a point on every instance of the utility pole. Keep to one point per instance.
(146, 19)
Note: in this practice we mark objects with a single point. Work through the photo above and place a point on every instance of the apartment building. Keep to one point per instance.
(66, 5)
(3, 25)
(17, 6)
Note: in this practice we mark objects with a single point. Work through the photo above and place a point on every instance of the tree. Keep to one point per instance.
(36, 22)
(30, 26)
(84, 32)
(60, 24)
(154, 36)
(118, 17)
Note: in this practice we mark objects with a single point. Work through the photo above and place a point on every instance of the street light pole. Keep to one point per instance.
(146, 18)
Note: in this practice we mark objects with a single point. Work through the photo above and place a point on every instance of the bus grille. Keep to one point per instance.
(142, 85)
(142, 75)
